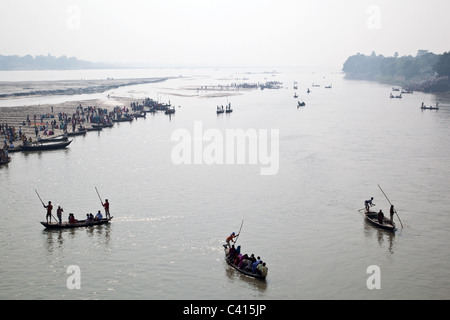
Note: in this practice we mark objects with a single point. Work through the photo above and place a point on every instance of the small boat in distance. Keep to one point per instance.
(295, 96)
(228, 108)
(424, 107)
(169, 110)
(301, 104)
(395, 97)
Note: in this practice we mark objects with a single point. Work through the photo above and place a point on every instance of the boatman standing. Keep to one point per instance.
(230, 239)
(49, 208)
(59, 212)
(392, 211)
(106, 206)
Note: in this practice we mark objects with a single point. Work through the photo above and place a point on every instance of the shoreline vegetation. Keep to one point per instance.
(426, 72)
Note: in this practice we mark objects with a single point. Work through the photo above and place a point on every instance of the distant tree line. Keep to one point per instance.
(42, 62)
(406, 70)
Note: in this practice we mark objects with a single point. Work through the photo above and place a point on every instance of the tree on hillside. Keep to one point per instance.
(442, 67)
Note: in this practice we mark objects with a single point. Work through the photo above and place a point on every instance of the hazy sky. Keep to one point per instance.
(225, 32)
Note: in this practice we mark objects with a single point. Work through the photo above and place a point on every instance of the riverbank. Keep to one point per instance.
(428, 85)
(17, 116)
(21, 89)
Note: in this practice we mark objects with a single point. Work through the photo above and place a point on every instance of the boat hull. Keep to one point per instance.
(80, 224)
(46, 146)
(372, 218)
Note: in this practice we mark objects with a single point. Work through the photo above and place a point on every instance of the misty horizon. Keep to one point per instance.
(222, 34)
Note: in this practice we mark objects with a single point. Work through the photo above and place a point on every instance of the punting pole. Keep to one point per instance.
(43, 203)
(99, 196)
(391, 205)
(239, 233)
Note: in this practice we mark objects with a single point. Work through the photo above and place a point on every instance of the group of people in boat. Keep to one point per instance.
(71, 218)
(244, 261)
(247, 262)
(369, 203)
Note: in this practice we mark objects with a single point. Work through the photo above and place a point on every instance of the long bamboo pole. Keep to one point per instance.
(391, 205)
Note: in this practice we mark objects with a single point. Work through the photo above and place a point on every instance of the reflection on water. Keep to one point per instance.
(60, 238)
(385, 238)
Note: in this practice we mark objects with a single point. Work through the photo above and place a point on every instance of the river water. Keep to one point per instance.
(170, 221)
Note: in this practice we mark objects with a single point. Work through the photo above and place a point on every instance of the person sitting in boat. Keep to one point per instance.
(368, 204)
(380, 217)
(231, 253)
(72, 219)
(247, 264)
(243, 262)
(255, 264)
(98, 216)
(238, 260)
(262, 269)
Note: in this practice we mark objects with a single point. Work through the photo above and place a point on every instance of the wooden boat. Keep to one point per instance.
(79, 224)
(15, 149)
(55, 139)
(77, 133)
(124, 119)
(301, 104)
(429, 108)
(372, 217)
(5, 161)
(103, 125)
(46, 146)
(247, 273)
(170, 111)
